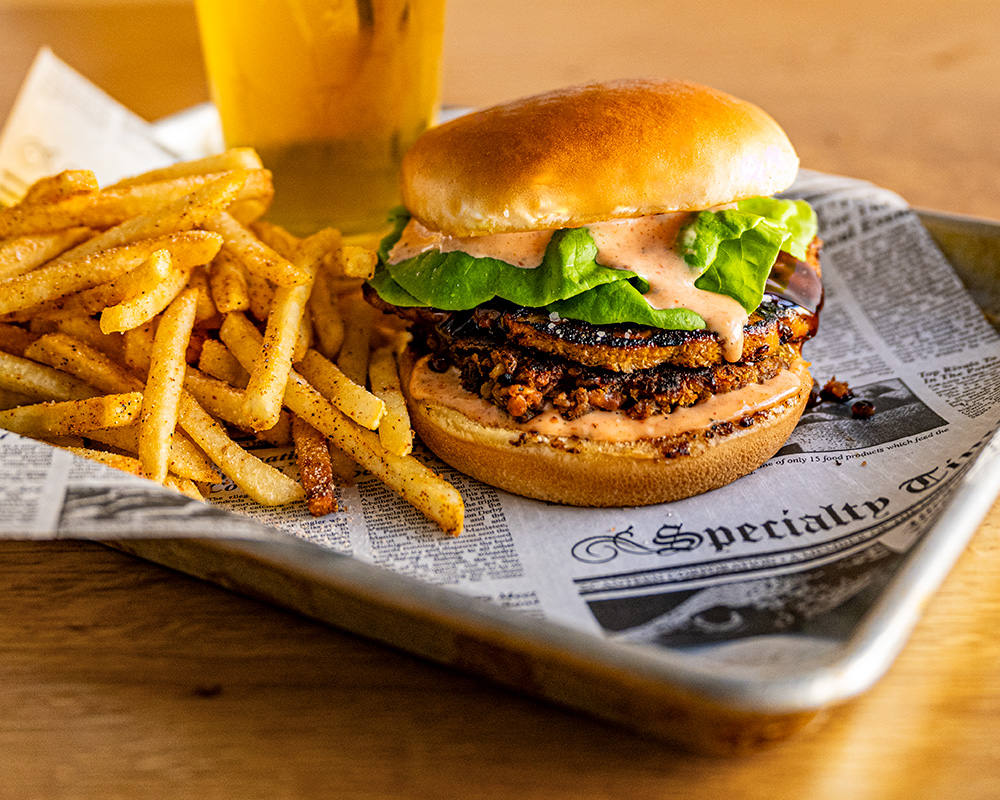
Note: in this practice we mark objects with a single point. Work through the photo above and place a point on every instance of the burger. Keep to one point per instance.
(607, 302)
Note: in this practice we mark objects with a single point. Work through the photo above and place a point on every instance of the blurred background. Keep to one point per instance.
(926, 141)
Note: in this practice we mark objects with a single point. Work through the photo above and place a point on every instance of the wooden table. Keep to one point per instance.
(121, 679)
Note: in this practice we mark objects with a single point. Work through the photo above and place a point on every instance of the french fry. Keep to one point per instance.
(315, 470)
(62, 277)
(88, 329)
(216, 360)
(141, 308)
(185, 461)
(72, 416)
(433, 496)
(228, 283)
(353, 399)
(161, 397)
(353, 356)
(394, 430)
(183, 486)
(328, 322)
(205, 309)
(24, 253)
(276, 237)
(138, 345)
(90, 365)
(115, 460)
(233, 158)
(68, 183)
(225, 402)
(180, 215)
(112, 208)
(351, 261)
(344, 468)
(39, 381)
(255, 256)
(262, 482)
(14, 340)
(261, 294)
(11, 399)
(269, 372)
(148, 275)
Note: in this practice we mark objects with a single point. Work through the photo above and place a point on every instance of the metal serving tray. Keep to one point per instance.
(667, 693)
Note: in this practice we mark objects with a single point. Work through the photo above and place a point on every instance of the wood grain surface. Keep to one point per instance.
(122, 679)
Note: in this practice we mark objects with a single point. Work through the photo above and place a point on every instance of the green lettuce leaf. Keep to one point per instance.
(455, 281)
(622, 302)
(796, 215)
(733, 252)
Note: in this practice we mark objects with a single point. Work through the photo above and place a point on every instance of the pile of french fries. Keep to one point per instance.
(159, 325)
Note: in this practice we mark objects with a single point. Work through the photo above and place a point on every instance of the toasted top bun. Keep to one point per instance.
(594, 152)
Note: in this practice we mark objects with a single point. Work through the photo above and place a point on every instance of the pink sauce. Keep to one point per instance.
(647, 246)
(607, 426)
(520, 249)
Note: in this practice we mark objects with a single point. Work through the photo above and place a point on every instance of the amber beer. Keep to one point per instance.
(330, 92)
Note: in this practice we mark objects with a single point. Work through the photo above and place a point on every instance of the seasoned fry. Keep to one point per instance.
(262, 482)
(24, 253)
(113, 207)
(138, 346)
(217, 361)
(182, 214)
(68, 183)
(73, 416)
(148, 275)
(225, 402)
(261, 296)
(10, 399)
(161, 397)
(228, 283)
(205, 309)
(315, 470)
(84, 362)
(66, 276)
(186, 460)
(276, 237)
(353, 357)
(256, 256)
(353, 399)
(394, 430)
(328, 322)
(88, 329)
(233, 158)
(14, 340)
(351, 261)
(116, 460)
(40, 382)
(183, 486)
(143, 307)
(269, 371)
(344, 468)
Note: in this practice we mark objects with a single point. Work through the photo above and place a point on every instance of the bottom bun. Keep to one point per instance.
(588, 472)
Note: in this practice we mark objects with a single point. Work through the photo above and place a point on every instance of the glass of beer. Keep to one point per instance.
(331, 93)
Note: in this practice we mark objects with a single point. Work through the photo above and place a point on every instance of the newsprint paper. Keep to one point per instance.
(792, 554)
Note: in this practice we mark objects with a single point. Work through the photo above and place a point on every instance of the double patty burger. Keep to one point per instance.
(607, 304)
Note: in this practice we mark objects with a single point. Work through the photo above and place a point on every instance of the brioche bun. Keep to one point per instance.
(594, 152)
(586, 472)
